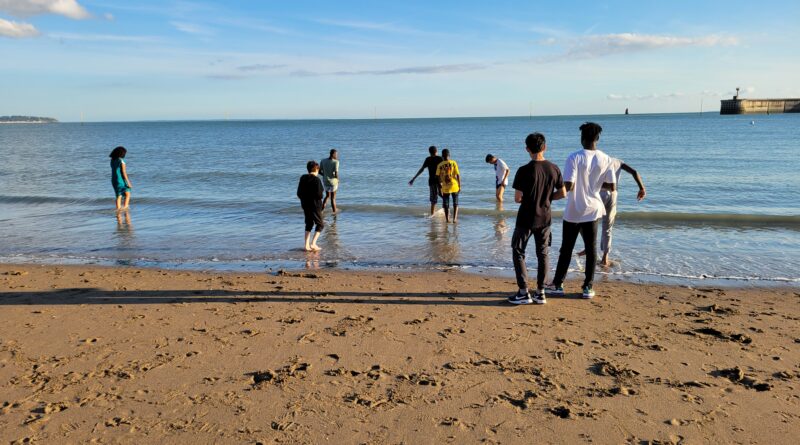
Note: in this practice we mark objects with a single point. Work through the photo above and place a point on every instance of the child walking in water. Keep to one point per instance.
(310, 190)
(119, 178)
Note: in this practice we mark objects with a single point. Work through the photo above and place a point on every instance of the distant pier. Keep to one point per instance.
(758, 106)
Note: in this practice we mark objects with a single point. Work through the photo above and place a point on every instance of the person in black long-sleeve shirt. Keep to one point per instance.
(310, 192)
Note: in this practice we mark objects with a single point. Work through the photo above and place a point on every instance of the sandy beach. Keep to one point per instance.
(122, 355)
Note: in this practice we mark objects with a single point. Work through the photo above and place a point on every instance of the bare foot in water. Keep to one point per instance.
(315, 248)
(582, 252)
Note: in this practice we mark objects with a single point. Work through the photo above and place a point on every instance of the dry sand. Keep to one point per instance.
(92, 354)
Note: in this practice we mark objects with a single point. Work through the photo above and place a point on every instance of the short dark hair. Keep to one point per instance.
(432, 150)
(590, 132)
(311, 166)
(489, 157)
(535, 142)
(446, 153)
(118, 152)
(333, 150)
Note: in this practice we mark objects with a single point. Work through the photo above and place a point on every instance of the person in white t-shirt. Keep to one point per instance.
(610, 202)
(501, 172)
(586, 173)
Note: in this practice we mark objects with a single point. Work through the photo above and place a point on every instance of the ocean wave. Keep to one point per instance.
(666, 218)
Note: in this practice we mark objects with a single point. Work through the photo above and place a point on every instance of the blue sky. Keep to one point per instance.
(146, 60)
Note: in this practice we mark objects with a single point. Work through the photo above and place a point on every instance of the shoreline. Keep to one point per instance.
(166, 356)
(255, 267)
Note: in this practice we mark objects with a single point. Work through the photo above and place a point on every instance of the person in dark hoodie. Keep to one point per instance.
(310, 192)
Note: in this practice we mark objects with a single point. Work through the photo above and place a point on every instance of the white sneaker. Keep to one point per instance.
(520, 298)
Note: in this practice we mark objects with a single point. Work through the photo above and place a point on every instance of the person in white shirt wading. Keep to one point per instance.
(610, 201)
(586, 173)
(501, 172)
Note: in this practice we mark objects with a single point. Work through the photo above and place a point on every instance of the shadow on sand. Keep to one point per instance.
(77, 296)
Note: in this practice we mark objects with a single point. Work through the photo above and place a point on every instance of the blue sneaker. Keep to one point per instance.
(556, 290)
(588, 293)
(520, 298)
(538, 297)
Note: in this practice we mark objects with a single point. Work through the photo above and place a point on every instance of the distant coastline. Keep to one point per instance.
(26, 120)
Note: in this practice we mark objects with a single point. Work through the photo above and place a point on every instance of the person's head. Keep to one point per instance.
(312, 166)
(118, 152)
(432, 150)
(491, 159)
(446, 154)
(535, 143)
(334, 154)
(590, 134)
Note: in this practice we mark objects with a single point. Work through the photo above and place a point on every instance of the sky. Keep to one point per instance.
(120, 60)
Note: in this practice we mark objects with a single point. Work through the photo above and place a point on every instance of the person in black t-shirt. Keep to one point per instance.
(431, 162)
(536, 185)
(310, 191)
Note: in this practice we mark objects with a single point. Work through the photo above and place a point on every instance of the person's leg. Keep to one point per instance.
(543, 239)
(446, 206)
(127, 200)
(309, 220)
(455, 207)
(314, 246)
(589, 234)
(519, 243)
(316, 218)
(499, 193)
(119, 202)
(568, 237)
(433, 191)
(333, 201)
(610, 201)
(325, 200)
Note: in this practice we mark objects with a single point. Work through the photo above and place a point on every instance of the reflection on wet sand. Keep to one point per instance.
(443, 242)
(501, 229)
(126, 240)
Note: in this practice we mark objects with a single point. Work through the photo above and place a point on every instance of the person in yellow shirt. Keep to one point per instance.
(450, 181)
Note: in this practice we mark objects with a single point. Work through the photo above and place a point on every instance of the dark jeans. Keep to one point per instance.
(313, 218)
(519, 242)
(446, 199)
(588, 231)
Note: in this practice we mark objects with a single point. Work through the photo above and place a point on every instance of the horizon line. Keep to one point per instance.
(288, 119)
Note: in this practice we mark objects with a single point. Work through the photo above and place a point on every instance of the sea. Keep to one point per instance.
(722, 206)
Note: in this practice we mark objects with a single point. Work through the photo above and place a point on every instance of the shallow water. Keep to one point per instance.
(722, 194)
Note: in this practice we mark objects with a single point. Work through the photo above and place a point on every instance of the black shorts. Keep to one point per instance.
(313, 218)
(446, 199)
(435, 192)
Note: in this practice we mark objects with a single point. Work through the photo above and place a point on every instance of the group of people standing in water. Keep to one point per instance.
(589, 184)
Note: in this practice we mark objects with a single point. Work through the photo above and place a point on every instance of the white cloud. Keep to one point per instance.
(431, 69)
(593, 46)
(103, 38)
(17, 30)
(260, 67)
(24, 8)
(191, 28)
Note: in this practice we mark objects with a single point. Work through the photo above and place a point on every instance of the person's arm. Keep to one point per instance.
(421, 169)
(320, 189)
(336, 170)
(458, 176)
(570, 174)
(559, 194)
(300, 189)
(610, 186)
(505, 176)
(518, 196)
(638, 178)
(125, 175)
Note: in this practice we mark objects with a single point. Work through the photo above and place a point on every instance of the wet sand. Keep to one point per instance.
(122, 355)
